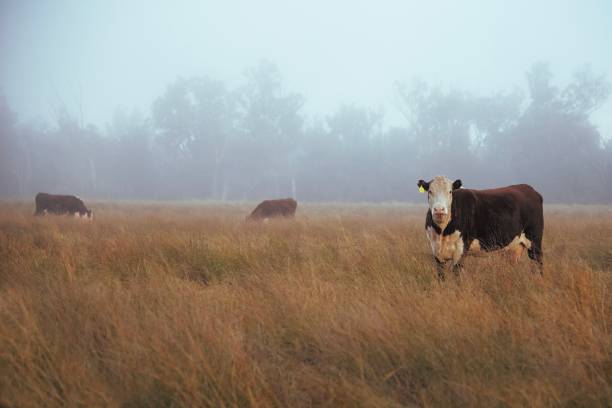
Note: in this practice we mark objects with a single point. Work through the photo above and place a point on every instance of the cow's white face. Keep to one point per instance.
(440, 198)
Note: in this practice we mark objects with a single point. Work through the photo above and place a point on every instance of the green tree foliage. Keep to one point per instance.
(134, 156)
(270, 129)
(11, 178)
(205, 140)
(554, 145)
(194, 122)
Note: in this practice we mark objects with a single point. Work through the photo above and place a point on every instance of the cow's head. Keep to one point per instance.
(440, 197)
(89, 214)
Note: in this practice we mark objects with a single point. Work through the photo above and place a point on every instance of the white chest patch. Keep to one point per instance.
(447, 247)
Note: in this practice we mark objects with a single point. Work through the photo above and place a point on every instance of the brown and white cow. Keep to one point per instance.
(273, 208)
(461, 220)
(61, 204)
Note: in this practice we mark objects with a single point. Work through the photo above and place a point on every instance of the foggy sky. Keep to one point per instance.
(100, 55)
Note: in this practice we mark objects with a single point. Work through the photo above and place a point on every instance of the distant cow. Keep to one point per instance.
(61, 204)
(273, 208)
(458, 220)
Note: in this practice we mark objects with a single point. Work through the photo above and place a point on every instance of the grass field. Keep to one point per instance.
(186, 305)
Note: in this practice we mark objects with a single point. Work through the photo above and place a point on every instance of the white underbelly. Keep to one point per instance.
(515, 248)
(518, 241)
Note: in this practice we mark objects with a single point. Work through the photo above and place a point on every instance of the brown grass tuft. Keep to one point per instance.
(187, 305)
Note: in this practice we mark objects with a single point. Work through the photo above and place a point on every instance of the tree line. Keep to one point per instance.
(205, 140)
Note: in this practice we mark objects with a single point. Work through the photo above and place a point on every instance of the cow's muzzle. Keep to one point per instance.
(439, 212)
(439, 217)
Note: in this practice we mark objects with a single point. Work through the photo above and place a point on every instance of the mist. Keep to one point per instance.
(342, 101)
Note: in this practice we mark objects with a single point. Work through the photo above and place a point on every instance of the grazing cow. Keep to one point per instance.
(61, 204)
(273, 208)
(458, 220)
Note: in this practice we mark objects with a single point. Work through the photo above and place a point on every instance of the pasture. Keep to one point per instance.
(188, 305)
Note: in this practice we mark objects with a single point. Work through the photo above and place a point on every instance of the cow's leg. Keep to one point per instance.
(440, 268)
(535, 251)
(535, 254)
(457, 268)
(460, 249)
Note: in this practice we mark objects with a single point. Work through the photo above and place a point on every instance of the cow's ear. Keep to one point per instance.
(457, 184)
(423, 186)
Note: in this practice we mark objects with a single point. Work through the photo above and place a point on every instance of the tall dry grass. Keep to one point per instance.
(186, 305)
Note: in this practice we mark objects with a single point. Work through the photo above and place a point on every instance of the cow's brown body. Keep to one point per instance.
(273, 208)
(61, 204)
(509, 218)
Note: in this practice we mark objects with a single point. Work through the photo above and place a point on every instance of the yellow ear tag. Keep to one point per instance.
(421, 189)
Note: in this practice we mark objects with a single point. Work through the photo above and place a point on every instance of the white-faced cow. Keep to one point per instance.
(461, 220)
(61, 204)
(273, 208)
